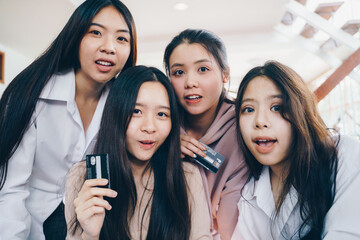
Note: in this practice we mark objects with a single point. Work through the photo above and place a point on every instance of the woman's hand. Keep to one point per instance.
(90, 207)
(190, 146)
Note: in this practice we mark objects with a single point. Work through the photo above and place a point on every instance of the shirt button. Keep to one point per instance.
(77, 148)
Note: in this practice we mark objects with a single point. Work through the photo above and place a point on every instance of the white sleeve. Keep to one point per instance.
(343, 219)
(14, 217)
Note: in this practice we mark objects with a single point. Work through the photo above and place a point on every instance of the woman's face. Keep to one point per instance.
(105, 47)
(265, 132)
(150, 124)
(197, 78)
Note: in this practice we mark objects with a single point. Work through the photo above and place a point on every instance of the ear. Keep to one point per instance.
(226, 75)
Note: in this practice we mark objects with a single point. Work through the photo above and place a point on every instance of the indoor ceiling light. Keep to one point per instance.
(180, 6)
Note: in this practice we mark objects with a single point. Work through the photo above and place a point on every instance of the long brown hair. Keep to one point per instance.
(313, 157)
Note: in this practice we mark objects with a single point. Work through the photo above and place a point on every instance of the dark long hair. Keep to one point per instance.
(313, 157)
(18, 102)
(169, 214)
(208, 40)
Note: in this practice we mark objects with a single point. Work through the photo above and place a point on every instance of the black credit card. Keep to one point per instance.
(97, 166)
(212, 161)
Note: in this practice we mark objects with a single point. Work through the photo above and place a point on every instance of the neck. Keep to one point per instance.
(87, 90)
(197, 125)
(138, 167)
(277, 179)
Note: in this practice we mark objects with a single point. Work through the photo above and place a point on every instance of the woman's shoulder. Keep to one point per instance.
(349, 152)
(192, 176)
(190, 170)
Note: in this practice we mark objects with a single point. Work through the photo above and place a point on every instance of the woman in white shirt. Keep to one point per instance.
(50, 114)
(304, 183)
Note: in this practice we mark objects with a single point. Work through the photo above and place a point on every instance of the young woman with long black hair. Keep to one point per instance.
(51, 111)
(154, 194)
(304, 182)
(196, 62)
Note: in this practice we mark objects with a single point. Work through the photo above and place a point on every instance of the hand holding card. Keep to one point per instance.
(212, 161)
(97, 166)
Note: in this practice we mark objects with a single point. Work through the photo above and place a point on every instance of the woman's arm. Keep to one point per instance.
(14, 218)
(88, 205)
(200, 217)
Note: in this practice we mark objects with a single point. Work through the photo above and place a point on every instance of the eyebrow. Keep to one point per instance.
(158, 106)
(102, 26)
(276, 96)
(198, 61)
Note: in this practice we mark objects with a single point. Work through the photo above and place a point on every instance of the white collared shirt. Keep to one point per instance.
(257, 206)
(54, 141)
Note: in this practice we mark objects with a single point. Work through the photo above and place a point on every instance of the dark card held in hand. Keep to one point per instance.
(212, 161)
(97, 166)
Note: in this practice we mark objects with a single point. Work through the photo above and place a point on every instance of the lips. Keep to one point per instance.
(146, 144)
(264, 144)
(104, 65)
(193, 98)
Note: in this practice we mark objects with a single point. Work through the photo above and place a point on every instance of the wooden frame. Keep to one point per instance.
(2, 67)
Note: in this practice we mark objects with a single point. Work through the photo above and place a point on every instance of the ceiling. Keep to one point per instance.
(247, 28)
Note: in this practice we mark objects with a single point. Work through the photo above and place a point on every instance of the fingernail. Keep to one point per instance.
(114, 194)
(194, 156)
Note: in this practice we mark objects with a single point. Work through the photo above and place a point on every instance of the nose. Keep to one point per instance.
(191, 81)
(107, 46)
(261, 120)
(148, 125)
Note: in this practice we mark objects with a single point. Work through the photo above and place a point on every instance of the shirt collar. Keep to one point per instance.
(263, 194)
(61, 87)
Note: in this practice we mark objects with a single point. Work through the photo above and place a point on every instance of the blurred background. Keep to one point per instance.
(319, 39)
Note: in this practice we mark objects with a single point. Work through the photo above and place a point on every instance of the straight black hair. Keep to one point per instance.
(170, 213)
(18, 102)
(313, 159)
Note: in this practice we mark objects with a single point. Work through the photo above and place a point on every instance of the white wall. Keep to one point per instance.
(14, 64)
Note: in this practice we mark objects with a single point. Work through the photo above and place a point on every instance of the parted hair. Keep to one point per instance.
(169, 213)
(313, 159)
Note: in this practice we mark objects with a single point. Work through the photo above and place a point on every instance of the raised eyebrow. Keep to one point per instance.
(164, 107)
(102, 26)
(158, 107)
(279, 96)
(247, 100)
(177, 65)
(198, 61)
(203, 60)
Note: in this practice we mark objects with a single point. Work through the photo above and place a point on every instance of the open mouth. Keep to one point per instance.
(264, 142)
(146, 142)
(193, 97)
(104, 63)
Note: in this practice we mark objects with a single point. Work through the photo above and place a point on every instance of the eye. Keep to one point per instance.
(247, 110)
(137, 111)
(203, 69)
(178, 72)
(276, 108)
(122, 39)
(95, 32)
(163, 114)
